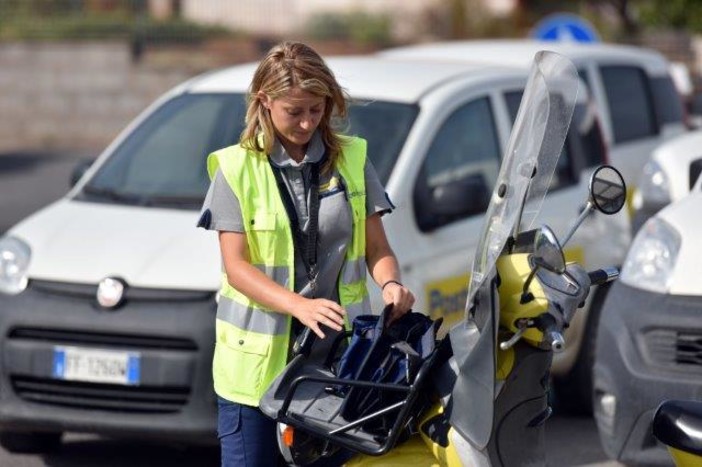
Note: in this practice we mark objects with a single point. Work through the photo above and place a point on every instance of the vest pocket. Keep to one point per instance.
(242, 359)
(262, 236)
(262, 221)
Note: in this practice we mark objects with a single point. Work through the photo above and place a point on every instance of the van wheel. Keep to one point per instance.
(574, 391)
(30, 442)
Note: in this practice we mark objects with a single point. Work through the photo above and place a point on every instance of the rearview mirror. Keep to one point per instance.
(607, 195)
(607, 190)
(548, 253)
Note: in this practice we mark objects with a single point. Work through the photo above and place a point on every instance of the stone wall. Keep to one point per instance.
(79, 95)
(73, 95)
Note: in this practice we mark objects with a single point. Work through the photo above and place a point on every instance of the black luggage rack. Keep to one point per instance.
(307, 396)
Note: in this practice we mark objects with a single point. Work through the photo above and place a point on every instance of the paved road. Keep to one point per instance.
(31, 180)
(570, 442)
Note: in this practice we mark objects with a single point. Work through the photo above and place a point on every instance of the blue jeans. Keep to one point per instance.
(247, 438)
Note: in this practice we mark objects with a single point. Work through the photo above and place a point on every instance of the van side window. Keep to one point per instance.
(460, 167)
(566, 171)
(669, 105)
(630, 102)
(586, 138)
(384, 125)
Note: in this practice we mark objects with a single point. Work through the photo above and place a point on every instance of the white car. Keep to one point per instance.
(649, 346)
(107, 296)
(668, 176)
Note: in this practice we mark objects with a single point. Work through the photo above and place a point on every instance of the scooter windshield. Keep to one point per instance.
(528, 165)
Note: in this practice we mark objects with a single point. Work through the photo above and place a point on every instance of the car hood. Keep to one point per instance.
(84, 242)
(684, 217)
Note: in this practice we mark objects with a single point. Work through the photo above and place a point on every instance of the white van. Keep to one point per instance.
(107, 296)
(636, 97)
(649, 347)
(639, 108)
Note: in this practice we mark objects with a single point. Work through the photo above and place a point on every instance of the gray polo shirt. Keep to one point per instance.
(335, 221)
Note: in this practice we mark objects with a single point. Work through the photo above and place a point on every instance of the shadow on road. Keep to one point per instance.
(24, 161)
(32, 179)
(136, 453)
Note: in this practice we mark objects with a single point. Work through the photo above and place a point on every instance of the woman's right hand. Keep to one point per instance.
(315, 311)
(253, 283)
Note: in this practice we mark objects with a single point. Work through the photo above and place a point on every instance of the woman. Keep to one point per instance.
(297, 207)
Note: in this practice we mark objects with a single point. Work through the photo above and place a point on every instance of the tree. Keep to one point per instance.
(676, 14)
(622, 10)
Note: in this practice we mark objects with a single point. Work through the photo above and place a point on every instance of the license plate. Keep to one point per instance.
(96, 365)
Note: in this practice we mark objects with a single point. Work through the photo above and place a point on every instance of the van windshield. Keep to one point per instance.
(162, 162)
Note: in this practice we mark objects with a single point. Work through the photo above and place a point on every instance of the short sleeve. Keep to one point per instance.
(221, 209)
(377, 200)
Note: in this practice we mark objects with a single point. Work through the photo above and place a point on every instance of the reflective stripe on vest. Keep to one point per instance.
(252, 341)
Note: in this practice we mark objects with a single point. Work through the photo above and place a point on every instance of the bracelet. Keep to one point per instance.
(391, 281)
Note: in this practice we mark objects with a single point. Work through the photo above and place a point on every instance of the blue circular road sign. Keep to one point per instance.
(565, 27)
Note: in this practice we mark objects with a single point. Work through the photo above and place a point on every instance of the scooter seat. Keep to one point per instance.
(678, 424)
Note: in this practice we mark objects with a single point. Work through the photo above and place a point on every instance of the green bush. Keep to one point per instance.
(104, 27)
(359, 27)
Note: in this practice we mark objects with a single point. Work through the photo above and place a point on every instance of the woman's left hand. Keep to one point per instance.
(400, 297)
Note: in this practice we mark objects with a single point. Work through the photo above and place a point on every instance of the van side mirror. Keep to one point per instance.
(80, 170)
(461, 198)
(449, 200)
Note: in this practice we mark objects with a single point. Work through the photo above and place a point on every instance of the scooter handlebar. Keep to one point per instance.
(555, 340)
(602, 276)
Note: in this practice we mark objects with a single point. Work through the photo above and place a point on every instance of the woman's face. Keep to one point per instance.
(295, 116)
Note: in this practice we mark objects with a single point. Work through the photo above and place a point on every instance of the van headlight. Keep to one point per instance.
(654, 187)
(14, 261)
(651, 259)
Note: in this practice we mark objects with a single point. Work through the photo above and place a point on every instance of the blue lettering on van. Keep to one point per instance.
(441, 304)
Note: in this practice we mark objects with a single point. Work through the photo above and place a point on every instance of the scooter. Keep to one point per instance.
(678, 425)
(480, 397)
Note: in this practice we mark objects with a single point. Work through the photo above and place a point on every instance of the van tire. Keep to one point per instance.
(30, 442)
(574, 391)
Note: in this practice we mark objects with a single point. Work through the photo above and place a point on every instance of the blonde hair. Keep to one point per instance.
(287, 65)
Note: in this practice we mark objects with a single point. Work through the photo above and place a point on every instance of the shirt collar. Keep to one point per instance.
(315, 152)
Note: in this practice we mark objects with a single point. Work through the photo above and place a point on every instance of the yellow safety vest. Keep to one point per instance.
(251, 340)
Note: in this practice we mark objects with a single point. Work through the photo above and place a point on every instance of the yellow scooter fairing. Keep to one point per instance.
(514, 270)
(684, 459)
(428, 448)
(678, 425)
(412, 453)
